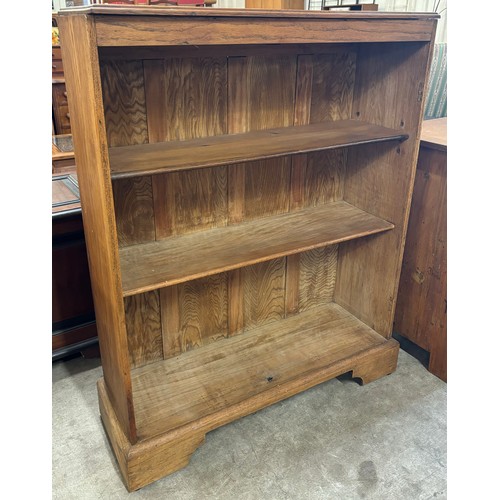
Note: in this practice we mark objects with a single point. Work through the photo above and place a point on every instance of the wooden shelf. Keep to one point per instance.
(224, 376)
(146, 159)
(174, 260)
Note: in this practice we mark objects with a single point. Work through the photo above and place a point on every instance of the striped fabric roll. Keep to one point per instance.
(436, 100)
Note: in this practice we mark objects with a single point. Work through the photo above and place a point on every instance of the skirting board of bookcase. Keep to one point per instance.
(153, 458)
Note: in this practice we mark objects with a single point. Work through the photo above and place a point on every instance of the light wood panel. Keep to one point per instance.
(332, 86)
(142, 316)
(263, 292)
(389, 90)
(198, 314)
(190, 201)
(129, 161)
(197, 86)
(318, 272)
(133, 203)
(90, 144)
(186, 389)
(124, 105)
(266, 188)
(191, 256)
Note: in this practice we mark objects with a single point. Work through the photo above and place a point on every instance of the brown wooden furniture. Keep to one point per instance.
(245, 178)
(73, 318)
(60, 111)
(421, 307)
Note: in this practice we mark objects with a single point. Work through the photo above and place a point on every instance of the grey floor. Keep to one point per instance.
(339, 440)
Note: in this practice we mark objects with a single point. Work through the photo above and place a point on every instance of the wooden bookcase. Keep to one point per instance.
(245, 180)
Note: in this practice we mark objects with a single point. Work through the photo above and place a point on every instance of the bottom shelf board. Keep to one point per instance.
(203, 382)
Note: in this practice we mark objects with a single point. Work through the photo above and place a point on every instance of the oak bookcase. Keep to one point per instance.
(245, 180)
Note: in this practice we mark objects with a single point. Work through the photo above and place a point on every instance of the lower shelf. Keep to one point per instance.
(179, 400)
(213, 378)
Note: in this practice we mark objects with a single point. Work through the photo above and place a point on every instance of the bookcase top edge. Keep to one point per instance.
(154, 10)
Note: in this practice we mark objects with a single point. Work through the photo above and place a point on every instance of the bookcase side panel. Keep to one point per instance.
(91, 149)
(389, 90)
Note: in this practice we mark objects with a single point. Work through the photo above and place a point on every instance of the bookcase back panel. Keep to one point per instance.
(186, 98)
(134, 211)
(179, 99)
(189, 201)
(142, 316)
(389, 91)
(176, 319)
(194, 313)
(124, 102)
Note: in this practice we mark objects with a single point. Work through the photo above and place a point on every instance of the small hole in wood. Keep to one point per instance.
(269, 379)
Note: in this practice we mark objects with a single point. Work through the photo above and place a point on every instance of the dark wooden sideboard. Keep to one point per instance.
(73, 318)
(421, 307)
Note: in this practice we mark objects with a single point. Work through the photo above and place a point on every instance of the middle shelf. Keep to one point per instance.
(157, 264)
(172, 156)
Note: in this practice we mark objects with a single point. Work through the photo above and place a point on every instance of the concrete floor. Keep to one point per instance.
(339, 440)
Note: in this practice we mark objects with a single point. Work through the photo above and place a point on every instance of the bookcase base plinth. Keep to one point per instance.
(150, 459)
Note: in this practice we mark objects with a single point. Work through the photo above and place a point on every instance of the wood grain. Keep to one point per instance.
(90, 144)
(124, 105)
(318, 272)
(197, 86)
(193, 30)
(201, 314)
(195, 255)
(263, 292)
(332, 86)
(146, 461)
(142, 316)
(389, 90)
(200, 383)
(267, 188)
(190, 201)
(133, 204)
(130, 161)
(323, 178)
(422, 297)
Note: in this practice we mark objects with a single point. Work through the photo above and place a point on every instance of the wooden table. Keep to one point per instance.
(421, 307)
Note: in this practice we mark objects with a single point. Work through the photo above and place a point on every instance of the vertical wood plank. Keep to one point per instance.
(318, 271)
(124, 104)
(126, 124)
(332, 86)
(202, 314)
(170, 321)
(197, 86)
(187, 99)
(236, 319)
(303, 90)
(261, 188)
(292, 284)
(190, 201)
(83, 83)
(267, 187)
(264, 292)
(323, 177)
(142, 315)
(379, 178)
(133, 203)
(237, 121)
